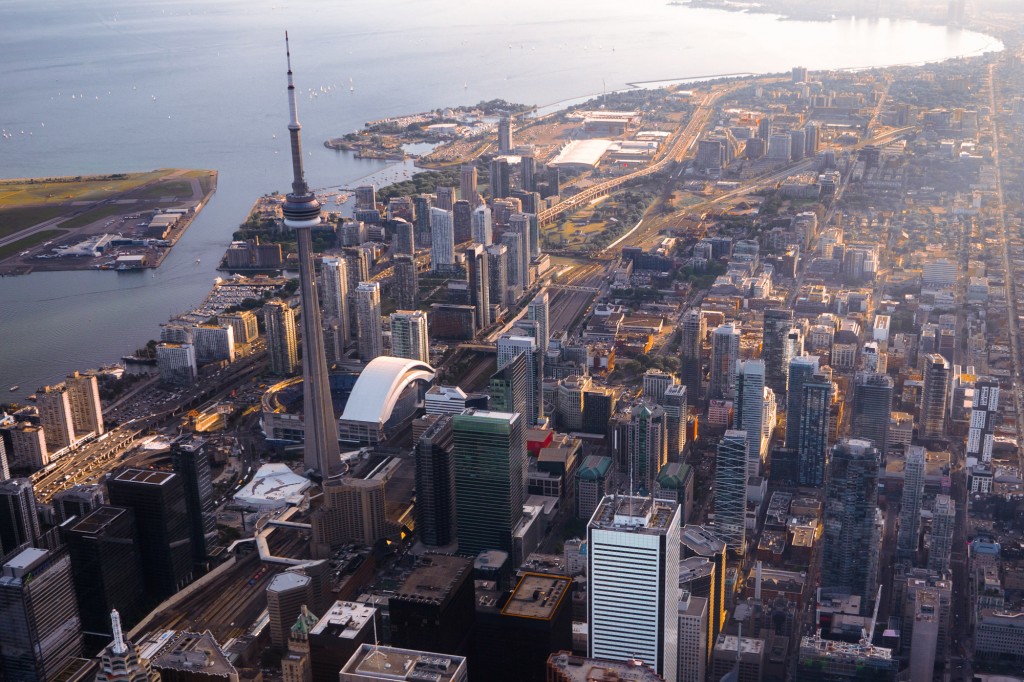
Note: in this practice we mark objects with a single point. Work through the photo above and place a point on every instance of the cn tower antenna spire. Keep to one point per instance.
(299, 187)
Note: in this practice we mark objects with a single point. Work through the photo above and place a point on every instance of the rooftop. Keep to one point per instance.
(702, 541)
(147, 476)
(344, 620)
(581, 669)
(193, 651)
(98, 519)
(389, 663)
(537, 596)
(635, 514)
(434, 579)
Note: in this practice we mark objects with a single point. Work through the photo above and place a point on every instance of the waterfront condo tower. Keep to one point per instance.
(301, 213)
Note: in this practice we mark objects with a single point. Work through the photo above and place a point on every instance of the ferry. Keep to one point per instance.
(15, 388)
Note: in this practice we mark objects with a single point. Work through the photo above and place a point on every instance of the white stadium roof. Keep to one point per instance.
(581, 153)
(379, 386)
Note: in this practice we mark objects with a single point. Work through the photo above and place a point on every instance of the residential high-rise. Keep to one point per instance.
(521, 224)
(177, 363)
(54, 407)
(725, 352)
(409, 338)
(27, 446)
(213, 342)
(120, 660)
(366, 196)
(191, 462)
(801, 369)
(467, 184)
(872, 406)
(851, 529)
(528, 174)
(442, 240)
(633, 575)
(404, 241)
(676, 411)
(435, 483)
(482, 230)
(243, 323)
(731, 489)
(334, 274)
(282, 341)
(421, 222)
(984, 418)
(655, 383)
(777, 323)
(19, 522)
(539, 311)
(462, 221)
(510, 346)
(479, 284)
(107, 568)
(497, 273)
(500, 181)
(301, 213)
(444, 198)
(754, 406)
(940, 538)
(646, 444)
(407, 284)
(910, 510)
(86, 411)
(513, 243)
(490, 478)
(161, 515)
(932, 421)
(371, 337)
(813, 418)
(693, 330)
(40, 631)
(693, 638)
(504, 134)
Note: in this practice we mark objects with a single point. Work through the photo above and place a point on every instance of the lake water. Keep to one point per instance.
(110, 86)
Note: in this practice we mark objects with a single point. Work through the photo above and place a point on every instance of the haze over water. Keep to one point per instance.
(129, 86)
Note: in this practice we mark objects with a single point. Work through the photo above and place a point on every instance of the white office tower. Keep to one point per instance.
(54, 407)
(482, 230)
(633, 569)
(940, 539)
(371, 338)
(442, 240)
(754, 406)
(910, 509)
(509, 348)
(984, 418)
(693, 638)
(725, 351)
(731, 490)
(86, 410)
(334, 273)
(409, 337)
(539, 311)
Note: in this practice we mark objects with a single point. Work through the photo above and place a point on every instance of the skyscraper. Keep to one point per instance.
(371, 338)
(725, 351)
(693, 637)
(777, 323)
(851, 537)
(497, 273)
(86, 411)
(282, 342)
(435, 483)
(54, 406)
(177, 363)
(539, 311)
(191, 462)
(510, 346)
(513, 242)
(40, 631)
(301, 213)
(731, 489)
(675, 404)
(754, 406)
(19, 522)
(409, 338)
(120, 660)
(872, 405)
(813, 419)
(801, 369)
(509, 387)
(334, 273)
(940, 538)
(984, 418)
(519, 223)
(462, 221)
(500, 181)
(106, 567)
(932, 422)
(421, 223)
(479, 284)
(633, 574)
(910, 509)
(490, 478)
(467, 184)
(407, 285)
(656, 383)
(646, 444)
(442, 240)
(693, 330)
(161, 515)
(482, 229)
(505, 134)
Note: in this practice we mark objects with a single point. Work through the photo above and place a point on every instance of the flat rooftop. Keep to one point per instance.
(193, 651)
(434, 578)
(147, 476)
(537, 596)
(581, 669)
(701, 541)
(98, 519)
(344, 620)
(389, 663)
(635, 514)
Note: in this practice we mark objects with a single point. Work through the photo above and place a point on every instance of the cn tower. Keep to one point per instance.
(301, 213)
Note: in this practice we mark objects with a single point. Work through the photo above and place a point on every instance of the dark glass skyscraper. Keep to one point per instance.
(435, 484)
(812, 447)
(191, 463)
(801, 369)
(777, 323)
(490, 478)
(872, 405)
(19, 524)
